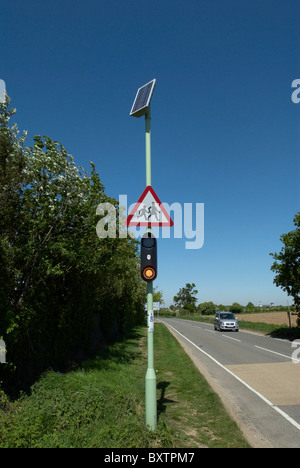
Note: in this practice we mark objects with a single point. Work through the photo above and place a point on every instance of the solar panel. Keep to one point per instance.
(142, 99)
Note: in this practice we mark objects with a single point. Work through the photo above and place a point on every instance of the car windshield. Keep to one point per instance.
(227, 316)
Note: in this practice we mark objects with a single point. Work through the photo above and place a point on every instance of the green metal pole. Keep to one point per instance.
(150, 380)
(148, 147)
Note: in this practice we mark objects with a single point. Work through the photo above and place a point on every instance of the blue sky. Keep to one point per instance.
(225, 131)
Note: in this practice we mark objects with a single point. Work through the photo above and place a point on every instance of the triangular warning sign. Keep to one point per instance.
(149, 211)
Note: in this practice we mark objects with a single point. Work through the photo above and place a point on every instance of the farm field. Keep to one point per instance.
(273, 318)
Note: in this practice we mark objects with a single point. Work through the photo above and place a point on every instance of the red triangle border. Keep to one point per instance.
(168, 223)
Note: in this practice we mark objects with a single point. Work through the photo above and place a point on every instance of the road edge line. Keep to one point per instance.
(268, 402)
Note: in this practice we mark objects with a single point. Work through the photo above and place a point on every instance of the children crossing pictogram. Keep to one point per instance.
(149, 211)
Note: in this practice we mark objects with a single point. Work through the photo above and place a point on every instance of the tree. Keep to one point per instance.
(236, 308)
(207, 308)
(185, 298)
(250, 307)
(11, 184)
(158, 296)
(58, 279)
(287, 264)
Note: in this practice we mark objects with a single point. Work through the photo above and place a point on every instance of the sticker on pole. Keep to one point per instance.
(149, 211)
(150, 321)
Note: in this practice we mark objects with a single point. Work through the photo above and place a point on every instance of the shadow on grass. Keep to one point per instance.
(286, 333)
(162, 402)
(122, 351)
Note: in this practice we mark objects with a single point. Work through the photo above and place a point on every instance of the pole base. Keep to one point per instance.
(151, 403)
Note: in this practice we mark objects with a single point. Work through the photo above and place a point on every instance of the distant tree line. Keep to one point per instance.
(186, 303)
(62, 290)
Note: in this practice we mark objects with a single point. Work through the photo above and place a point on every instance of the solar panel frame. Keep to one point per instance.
(142, 99)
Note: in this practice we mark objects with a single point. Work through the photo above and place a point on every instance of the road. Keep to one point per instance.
(255, 376)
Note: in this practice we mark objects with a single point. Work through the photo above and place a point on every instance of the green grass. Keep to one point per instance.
(101, 404)
(187, 401)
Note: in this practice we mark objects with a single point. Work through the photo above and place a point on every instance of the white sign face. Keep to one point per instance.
(156, 306)
(2, 91)
(149, 211)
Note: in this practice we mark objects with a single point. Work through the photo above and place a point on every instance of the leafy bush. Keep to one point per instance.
(236, 308)
(58, 279)
(207, 308)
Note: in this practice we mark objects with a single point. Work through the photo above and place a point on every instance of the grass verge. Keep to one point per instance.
(102, 403)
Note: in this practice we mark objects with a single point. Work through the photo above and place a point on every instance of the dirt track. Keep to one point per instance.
(274, 318)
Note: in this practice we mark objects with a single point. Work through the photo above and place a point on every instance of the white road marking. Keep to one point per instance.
(282, 413)
(230, 337)
(274, 352)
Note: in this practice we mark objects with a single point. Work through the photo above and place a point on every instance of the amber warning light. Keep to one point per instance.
(148, 257)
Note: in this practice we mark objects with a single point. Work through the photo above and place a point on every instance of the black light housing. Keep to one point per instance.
(148, 257)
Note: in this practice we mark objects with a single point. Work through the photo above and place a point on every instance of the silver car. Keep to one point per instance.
(226, 321)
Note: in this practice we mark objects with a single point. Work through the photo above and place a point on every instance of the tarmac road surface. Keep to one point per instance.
(256, 376)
